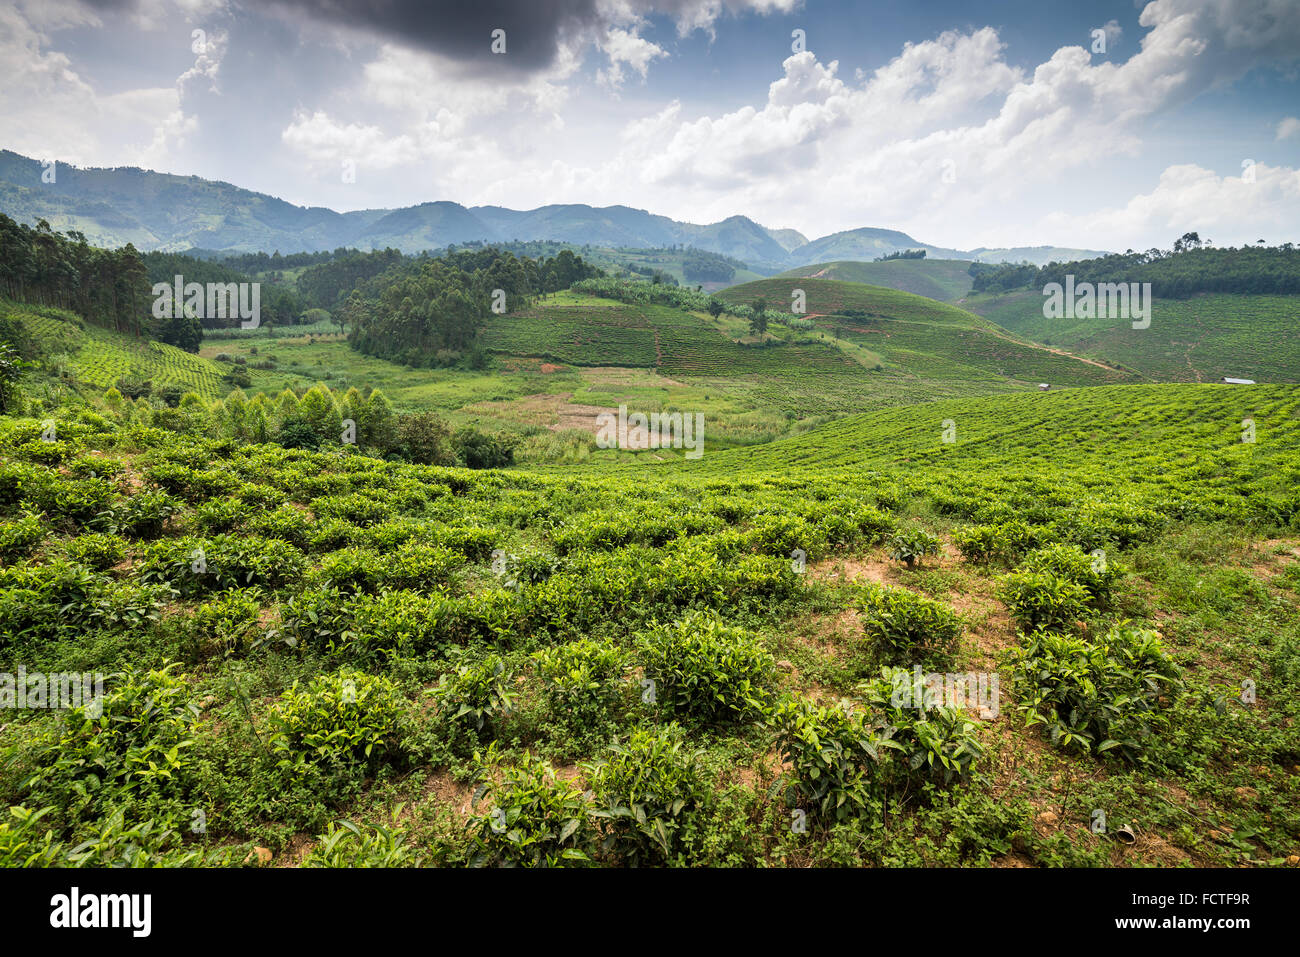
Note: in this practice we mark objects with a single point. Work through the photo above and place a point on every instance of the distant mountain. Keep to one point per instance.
(791, 239)
(169, 212)
(869, 243)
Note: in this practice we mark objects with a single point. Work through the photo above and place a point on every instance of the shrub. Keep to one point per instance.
(24, 842)
(902, 626)
(482, 450)
(230, 622)
(872, 523)
(1093, 571)
(195, 566)
(705, 672)
(779, 535)
(77, 501)
(935, 742)
(135, 739)
(518, 571)
(1042, 599)
(536, 821)
(911, 547)
(319, 616)
(18, 538)
(474, 698)
(355, 508)
(1005, 542)
(583, 688)
(343, 717)
(98, 551)
(345, 844)
(142, 515)
(61, 598)
(645, 790)
(834, 755)
(1096, 696)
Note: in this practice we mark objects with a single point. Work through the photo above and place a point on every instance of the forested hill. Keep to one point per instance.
(1189, 268)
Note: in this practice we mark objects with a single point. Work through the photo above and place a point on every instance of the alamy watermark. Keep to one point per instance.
(970, 691)
(217, 300)
(63, 690)
(657, 430)
(1107, 300)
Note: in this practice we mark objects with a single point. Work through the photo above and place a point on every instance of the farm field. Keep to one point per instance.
(1200, 339)
(378, 643)
(555, 365)
(100, 356)
(945, 280)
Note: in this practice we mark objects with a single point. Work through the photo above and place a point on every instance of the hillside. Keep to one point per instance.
(1148, 443)
(869, 243)
(99, 357)
(919, 337)
(942, 279)
(1198, 339)
(333, 577)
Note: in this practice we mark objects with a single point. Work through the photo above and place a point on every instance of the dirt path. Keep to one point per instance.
(1001, 334)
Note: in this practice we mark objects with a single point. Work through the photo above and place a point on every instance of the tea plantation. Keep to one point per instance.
(326, 659)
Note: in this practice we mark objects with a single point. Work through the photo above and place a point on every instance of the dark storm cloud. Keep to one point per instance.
(460, 31)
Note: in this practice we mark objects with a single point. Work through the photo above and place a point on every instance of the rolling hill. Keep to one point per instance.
(170, 212)
(941, 279)
(1148, 442)
(920, 337)
(99, 357)
(869, 243)
(1199, 339)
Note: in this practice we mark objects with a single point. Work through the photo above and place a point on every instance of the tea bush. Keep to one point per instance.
(705, 672)
(645, 790)
(473, 699)
(229, 623)
(1100, 696)
(345, 717)
(937, 742)
(142, 515)
(134, 741)
(345, 844)
(1096, 573)
(1042, 599)
(1003, 542)
(98, 551)
(834, 754)
(536, 820)
(903, 627)
(18, 538)
(583, 688)
(911, 546)
(194, 566)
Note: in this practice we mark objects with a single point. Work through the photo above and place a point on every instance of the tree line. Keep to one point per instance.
(429, 311)
(1192, 266)
(107, 287)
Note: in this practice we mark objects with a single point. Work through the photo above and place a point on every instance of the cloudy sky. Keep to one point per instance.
(964, 122)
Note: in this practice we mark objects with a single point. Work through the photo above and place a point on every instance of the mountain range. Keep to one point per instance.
(164, 211)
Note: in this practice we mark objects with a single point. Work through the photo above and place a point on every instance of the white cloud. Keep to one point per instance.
(1288, 128)
(1230, 210)
(624, 47)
